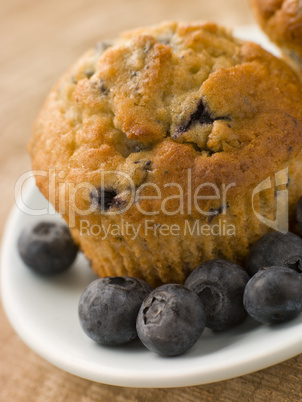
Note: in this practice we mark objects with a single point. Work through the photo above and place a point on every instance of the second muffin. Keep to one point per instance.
(281, 20)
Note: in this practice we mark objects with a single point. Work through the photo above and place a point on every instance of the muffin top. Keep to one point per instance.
(282, 21)
(163, 99)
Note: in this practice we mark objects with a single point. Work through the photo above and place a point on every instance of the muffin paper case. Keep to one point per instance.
(169, 146)
(281, 20)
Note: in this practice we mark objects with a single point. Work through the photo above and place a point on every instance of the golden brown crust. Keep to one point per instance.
(156, 103)
(282, 21)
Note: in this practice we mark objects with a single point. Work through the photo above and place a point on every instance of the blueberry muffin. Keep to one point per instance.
(153, 148)
(281, 20)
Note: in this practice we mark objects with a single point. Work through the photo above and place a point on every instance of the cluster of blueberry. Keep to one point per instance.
(218, 295)
(170, 319)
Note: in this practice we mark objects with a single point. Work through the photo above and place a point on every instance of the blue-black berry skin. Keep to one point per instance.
(275, 249)
(170, 320)
(47, 247)
(220, 285)
(274, 295)
(299, 214)
(108, 309)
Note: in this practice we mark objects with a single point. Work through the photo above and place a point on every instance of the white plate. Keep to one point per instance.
(44, 314)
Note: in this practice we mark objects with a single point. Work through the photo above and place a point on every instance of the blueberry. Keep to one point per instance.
(108, 309)
(275, 249)
(220, 284)
(47, 247)
(170, 320)
(299, 214)
(201, 115)
(274, 295)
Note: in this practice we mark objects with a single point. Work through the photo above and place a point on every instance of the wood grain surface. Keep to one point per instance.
(39, 40)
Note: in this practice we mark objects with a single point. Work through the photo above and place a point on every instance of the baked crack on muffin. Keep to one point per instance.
(281, 20)
(151, 147)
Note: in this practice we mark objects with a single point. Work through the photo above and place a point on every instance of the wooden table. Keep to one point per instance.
(39, 40)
